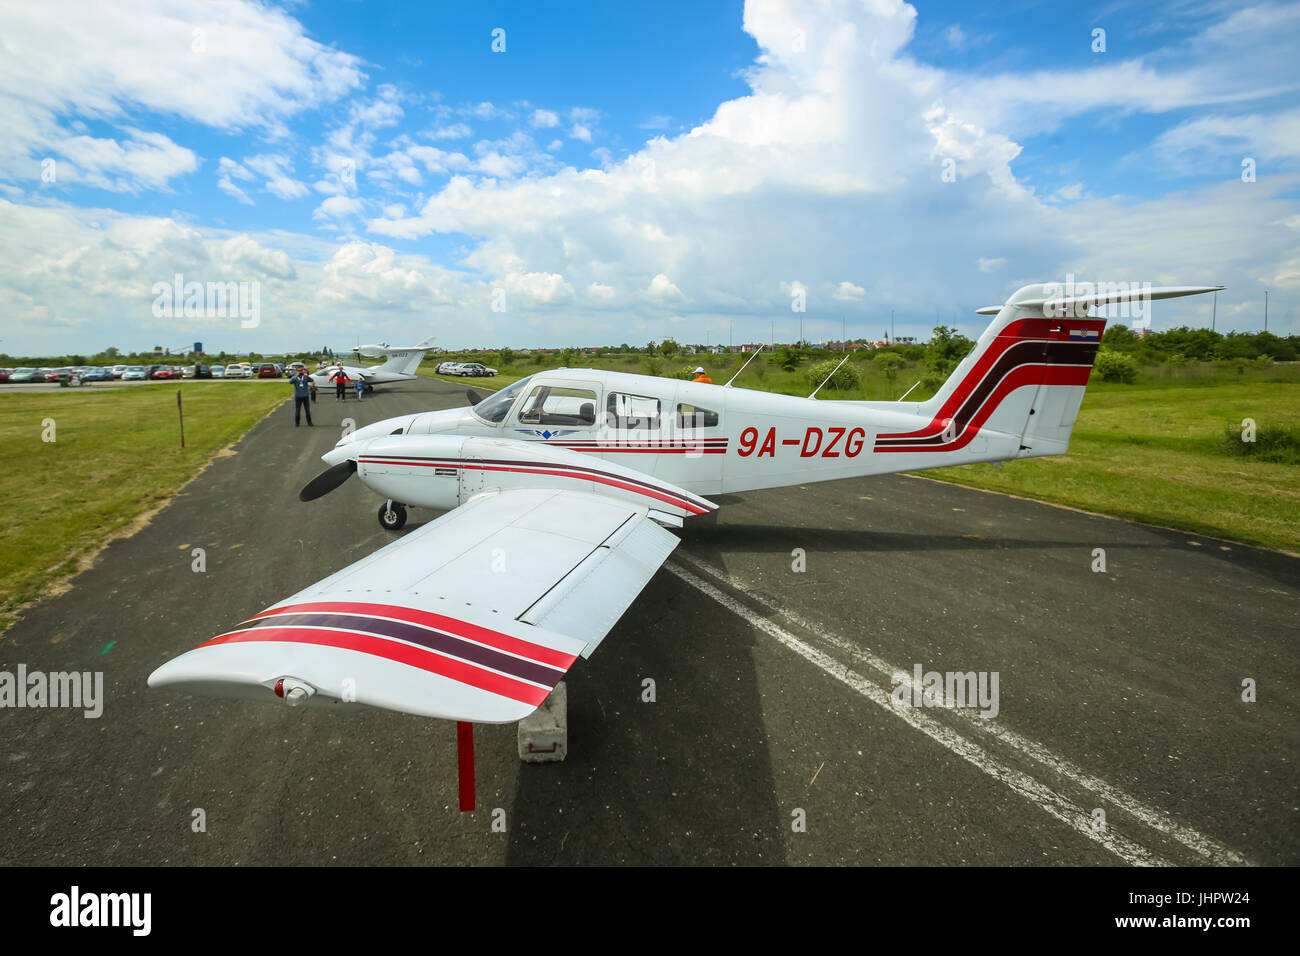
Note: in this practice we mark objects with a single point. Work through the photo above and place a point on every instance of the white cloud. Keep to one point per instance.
(277, 169)
(110, 59)
(545, 119)
(990, 265)
(661, 287)
(848, 292)
(451, 131)
(580, 132)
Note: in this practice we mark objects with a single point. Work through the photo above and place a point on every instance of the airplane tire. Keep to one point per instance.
(392, 518)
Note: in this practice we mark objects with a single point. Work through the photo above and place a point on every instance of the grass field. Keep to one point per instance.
(116, 455)
(1153, 454)
(1148, 451)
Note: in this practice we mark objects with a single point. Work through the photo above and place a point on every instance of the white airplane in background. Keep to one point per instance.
(400, 365)
(559, 490)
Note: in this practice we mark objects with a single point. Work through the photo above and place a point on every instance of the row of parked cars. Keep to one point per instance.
(471, 369)
(135, 373)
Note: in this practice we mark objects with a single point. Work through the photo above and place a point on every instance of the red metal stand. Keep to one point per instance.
(465, 763)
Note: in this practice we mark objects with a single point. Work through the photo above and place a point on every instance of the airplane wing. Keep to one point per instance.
(475, 616)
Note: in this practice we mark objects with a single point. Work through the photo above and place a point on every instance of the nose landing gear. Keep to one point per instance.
(392, 515)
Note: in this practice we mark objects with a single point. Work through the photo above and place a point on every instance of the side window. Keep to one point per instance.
(692, 416)
(558, 405)
(631, 411)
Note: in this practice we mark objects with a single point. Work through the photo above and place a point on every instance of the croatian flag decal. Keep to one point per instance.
(1083, 335)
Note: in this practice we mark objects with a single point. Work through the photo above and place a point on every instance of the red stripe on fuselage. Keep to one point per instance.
(597, 477)
(1018, 377)
(1023, 330)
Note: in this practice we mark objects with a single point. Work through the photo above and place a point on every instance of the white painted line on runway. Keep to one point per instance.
(1022, 783)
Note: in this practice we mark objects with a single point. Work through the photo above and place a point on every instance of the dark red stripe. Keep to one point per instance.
(450, 625)
(417, 657)
(434, 640)
(1024, 375)
(578, 474)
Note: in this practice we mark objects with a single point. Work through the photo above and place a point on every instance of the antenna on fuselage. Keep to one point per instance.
(830, 376)
(743, 367)
(909, 391)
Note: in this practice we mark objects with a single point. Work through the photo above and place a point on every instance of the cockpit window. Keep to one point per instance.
(559, 405)
(494, 408)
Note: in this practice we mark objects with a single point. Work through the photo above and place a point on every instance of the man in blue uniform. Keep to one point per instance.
(301, 396)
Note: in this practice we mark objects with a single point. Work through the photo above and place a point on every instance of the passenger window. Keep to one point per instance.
(558, 405)
(692, 416)
(631, 411)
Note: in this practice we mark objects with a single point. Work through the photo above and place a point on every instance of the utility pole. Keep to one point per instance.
(1265, 310)
(891, 326)
(1215, 314)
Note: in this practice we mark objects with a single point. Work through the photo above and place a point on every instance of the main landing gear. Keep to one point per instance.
(392, 515)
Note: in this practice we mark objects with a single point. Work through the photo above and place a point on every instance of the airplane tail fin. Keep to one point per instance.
(1024, 379)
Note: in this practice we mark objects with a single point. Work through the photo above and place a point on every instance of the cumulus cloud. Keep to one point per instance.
(246, 66)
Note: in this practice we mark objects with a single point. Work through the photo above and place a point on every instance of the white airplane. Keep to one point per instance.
(400, 365)
(559, 490)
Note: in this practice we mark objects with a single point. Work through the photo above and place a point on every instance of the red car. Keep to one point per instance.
(268, 371)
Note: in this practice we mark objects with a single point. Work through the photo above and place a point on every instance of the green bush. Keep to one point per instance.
(1275, 443)
(1116, 367)
(845, 379)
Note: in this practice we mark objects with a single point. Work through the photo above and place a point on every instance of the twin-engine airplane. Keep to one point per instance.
(559, 490)
(402, 361)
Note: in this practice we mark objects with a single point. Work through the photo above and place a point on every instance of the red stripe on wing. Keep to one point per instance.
(473, 632)
(409, 654)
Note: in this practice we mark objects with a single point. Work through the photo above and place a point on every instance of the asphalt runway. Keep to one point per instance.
(1121, 734)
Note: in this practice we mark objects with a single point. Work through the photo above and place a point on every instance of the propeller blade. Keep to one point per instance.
(327, 480)
(474, 396)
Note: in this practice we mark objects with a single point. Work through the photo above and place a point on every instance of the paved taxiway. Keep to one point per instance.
(1119, 691)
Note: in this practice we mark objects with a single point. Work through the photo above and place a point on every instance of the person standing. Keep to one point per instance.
(340, 384)
(301, 396)
(702, 376)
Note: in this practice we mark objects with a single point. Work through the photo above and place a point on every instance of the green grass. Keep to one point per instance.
(116, 455)
(1156, 454)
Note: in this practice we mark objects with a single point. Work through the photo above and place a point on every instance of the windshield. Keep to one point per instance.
(493, 408)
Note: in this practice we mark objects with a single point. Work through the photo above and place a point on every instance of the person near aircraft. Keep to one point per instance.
(340, 378)
(702, 376)
(301, 396)
(361, 387)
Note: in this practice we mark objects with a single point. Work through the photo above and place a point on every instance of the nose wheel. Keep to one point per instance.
(392, 515)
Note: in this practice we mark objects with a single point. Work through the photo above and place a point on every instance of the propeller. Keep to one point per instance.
(474, 396)
(327, 480)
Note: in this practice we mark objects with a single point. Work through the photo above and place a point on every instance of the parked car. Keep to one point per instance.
(218, 371)
(119, 370)
(96, 374)
(268, 370)
(476, 369)
(4, 374)
(237, 370)
(22, 375)
(163, 372)
(135, 373)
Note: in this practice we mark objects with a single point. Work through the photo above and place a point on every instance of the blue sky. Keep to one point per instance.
(623, 173)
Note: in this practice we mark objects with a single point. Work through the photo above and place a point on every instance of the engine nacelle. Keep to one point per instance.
(371, 351)
(443, 471)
